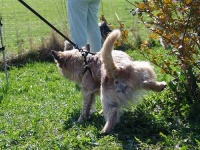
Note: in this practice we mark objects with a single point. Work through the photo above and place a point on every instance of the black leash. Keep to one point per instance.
(83, 52)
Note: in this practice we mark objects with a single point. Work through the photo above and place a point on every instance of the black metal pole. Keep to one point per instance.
(2, 48)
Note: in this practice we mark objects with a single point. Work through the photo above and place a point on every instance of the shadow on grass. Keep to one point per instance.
(95, 120)
(40, 53)
(139, 129)
(138, 125)
(132, 124)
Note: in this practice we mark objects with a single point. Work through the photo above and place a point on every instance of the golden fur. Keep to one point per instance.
(114, 74)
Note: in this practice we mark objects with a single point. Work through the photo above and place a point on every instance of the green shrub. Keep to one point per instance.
(177, 23)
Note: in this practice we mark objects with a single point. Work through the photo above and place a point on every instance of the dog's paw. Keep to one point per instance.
(104, 132)
(80, 119)
(162, 85)
(107, 129)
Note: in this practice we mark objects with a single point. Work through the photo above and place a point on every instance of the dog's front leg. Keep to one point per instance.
(88, 100)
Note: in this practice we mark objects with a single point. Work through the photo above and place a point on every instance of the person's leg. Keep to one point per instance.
(77, 16)
(93, 31)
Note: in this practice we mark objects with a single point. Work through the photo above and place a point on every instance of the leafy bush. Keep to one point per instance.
(177, 23)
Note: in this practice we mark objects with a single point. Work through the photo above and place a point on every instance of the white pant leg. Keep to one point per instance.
(77, 15)
(93, 31)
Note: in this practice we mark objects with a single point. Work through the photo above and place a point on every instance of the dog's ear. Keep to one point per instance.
(87, 47)
(55, 55)
(59, 59)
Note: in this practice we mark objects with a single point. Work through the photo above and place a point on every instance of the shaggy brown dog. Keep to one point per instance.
(113, 73)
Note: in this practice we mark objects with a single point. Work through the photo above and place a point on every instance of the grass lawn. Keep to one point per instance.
(40, 108)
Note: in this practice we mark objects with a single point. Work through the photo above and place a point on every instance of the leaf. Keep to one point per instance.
(141, 6)
(147, 25)
(117, 43)
(162, 16)
(167, 63)
(153, 35)
(198, 142)
(125, 33)
(149, 51)
(155, 60)
(167, 1)
(151, 8)
(162, 71)
(188, 1)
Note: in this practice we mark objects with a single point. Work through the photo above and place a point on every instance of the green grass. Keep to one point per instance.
(39, 110)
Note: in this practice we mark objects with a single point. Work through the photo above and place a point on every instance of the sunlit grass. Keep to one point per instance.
(40, 109)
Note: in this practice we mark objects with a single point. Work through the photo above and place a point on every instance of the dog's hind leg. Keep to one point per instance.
(111, 116)
(154, 85)
(89, 100)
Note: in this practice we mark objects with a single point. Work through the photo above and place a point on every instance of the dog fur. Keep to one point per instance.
(104, 29)
(113, 73)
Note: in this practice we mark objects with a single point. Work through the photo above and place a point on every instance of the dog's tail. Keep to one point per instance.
(106, 52)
